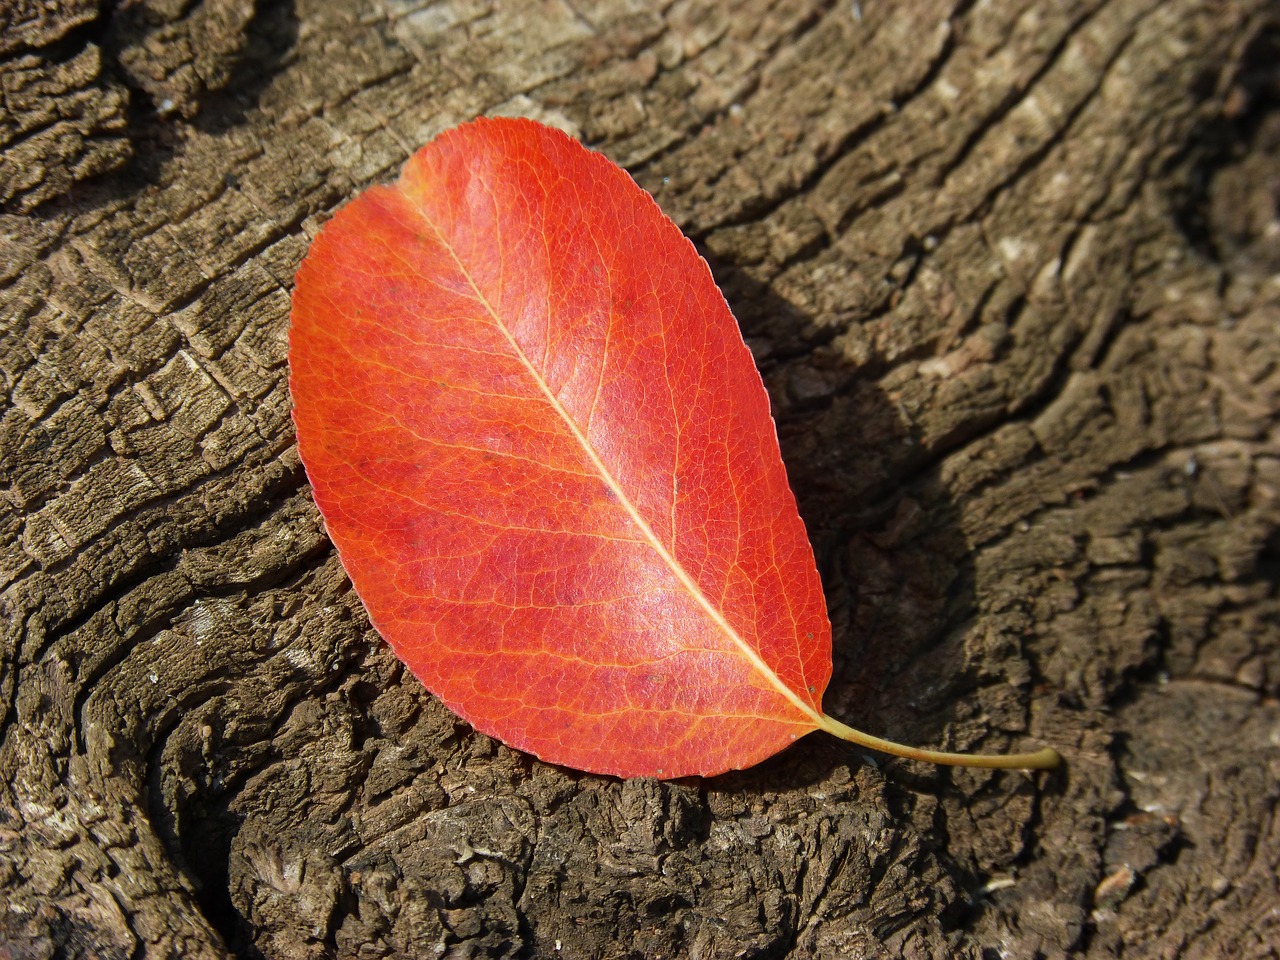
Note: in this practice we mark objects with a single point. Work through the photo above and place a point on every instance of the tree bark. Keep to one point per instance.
(1010, 270)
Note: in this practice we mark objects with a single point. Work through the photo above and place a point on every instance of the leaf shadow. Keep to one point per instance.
(897, 570)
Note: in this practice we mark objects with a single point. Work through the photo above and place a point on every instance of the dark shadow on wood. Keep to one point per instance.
(898, 573)
(156, 122)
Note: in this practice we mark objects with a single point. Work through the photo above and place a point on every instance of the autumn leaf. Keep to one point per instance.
(546, 458)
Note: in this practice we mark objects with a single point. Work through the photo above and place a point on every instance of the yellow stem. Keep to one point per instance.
(1045, 759)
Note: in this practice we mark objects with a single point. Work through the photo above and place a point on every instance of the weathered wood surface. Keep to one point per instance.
(1010, 270)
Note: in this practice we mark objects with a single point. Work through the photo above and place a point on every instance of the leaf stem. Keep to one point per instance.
(1045, 759)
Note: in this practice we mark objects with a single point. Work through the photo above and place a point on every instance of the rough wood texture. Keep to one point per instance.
(1010, 269)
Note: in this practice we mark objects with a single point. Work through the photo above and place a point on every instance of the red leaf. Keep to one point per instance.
(546, 459)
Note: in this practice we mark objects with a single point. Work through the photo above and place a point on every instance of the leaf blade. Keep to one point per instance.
(663, 612)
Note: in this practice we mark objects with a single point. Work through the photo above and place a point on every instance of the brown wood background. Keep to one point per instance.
(1011, 270)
